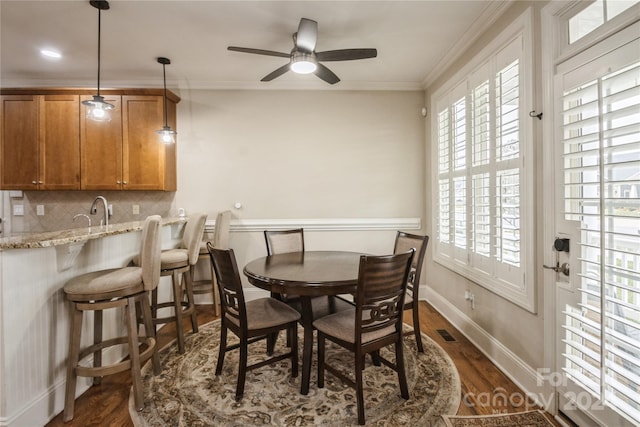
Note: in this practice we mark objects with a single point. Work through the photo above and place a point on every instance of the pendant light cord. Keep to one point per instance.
(99, 32)
(164, 78)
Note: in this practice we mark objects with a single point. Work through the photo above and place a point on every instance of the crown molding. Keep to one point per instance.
(489, 16)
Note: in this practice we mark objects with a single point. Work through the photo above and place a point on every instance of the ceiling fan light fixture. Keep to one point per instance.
(166, 133)
(303, 63)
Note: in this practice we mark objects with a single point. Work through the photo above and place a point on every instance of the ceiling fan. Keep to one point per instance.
(304, 59)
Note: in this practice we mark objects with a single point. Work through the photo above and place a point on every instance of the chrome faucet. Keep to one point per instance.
(85, 217)
(94, 209)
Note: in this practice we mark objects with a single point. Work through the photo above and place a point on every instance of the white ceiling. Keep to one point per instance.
(414, 39)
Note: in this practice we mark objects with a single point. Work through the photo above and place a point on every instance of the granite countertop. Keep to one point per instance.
(63, 237)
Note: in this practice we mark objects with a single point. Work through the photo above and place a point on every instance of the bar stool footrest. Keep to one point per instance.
(125, 365)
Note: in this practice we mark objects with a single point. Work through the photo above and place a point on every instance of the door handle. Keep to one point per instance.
(559, 268)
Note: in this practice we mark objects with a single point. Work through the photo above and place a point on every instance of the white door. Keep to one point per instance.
(597, 143)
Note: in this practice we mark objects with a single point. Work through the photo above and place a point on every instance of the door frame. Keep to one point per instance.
(552, 53)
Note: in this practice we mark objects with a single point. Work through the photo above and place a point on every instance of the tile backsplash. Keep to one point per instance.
(61, 206)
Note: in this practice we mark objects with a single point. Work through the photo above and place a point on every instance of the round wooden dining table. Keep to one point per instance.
(307, 274)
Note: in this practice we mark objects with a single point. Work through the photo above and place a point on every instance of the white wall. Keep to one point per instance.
(513, 337)
(303, 155)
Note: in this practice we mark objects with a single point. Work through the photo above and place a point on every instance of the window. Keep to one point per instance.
(595, 15)
(482, 164)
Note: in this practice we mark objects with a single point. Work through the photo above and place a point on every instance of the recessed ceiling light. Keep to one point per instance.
(48, 53)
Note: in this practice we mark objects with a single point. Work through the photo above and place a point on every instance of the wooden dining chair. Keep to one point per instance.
(287, 241)
(251, 321)
(375, 321)
(404, 242)
(284, 241)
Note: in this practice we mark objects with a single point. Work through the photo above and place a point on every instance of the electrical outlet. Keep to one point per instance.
(40, 210)
(18, 210)
(136, 209)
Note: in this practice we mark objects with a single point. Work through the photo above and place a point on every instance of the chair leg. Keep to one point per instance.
(150, 331)
(134, 352)
(416, 326)
(188, 277)
(242, 373)
(321, 343)
(177, 308)
(375, 358)
(271, 343)
(402, 376)
(154, 303)
(359, 388)
(222, 349)
(97, 338)
(75, 320)
(293, 332)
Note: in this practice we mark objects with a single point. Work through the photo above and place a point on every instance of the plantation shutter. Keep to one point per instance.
(601, 168)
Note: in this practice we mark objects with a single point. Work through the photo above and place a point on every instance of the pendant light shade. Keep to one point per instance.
(166, 133)
(97, 108)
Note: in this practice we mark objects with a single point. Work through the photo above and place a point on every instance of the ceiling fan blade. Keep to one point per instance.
(346, 54)
(307, 35)
(276, 73)
(326, 74)
(259, 51)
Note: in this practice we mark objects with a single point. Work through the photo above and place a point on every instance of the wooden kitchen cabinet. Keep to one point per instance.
(148, 163)
(39, 143)
(101, 148)
(48, 144)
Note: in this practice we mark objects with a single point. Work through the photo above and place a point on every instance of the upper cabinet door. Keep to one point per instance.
(19, 142)
(143, 152)
(59, 145)
(101, 148)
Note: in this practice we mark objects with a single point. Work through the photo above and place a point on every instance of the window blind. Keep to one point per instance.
(601, 167)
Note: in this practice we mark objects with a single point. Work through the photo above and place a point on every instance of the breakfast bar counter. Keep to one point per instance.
(75, 235)
(34, 317)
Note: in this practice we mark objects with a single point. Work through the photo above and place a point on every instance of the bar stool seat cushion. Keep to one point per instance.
(265, 313)
(174, 258)
(105, 284)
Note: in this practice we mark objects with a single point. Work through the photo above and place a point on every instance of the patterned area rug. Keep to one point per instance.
(187, 393)
(520, 419)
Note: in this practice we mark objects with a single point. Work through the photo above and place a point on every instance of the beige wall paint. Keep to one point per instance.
(517, 329)
(302, 154)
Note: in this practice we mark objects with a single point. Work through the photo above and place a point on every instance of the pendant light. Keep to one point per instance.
(166, 132)
(97, 108)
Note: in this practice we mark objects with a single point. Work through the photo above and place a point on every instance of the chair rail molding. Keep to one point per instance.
(321, 224)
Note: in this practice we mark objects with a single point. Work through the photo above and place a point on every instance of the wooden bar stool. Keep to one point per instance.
(179, 263)
(220, 241)
(119, 287)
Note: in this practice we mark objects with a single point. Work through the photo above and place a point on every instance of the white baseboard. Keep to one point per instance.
(523, 375)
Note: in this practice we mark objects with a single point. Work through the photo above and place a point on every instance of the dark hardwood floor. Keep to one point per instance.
(485, 389)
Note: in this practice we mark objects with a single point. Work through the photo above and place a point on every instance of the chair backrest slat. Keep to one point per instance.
(284, 241)
(382, 283)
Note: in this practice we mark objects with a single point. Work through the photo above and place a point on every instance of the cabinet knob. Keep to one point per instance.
(39, 182)
(34, 182)
(117, 182)
(124, 182)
